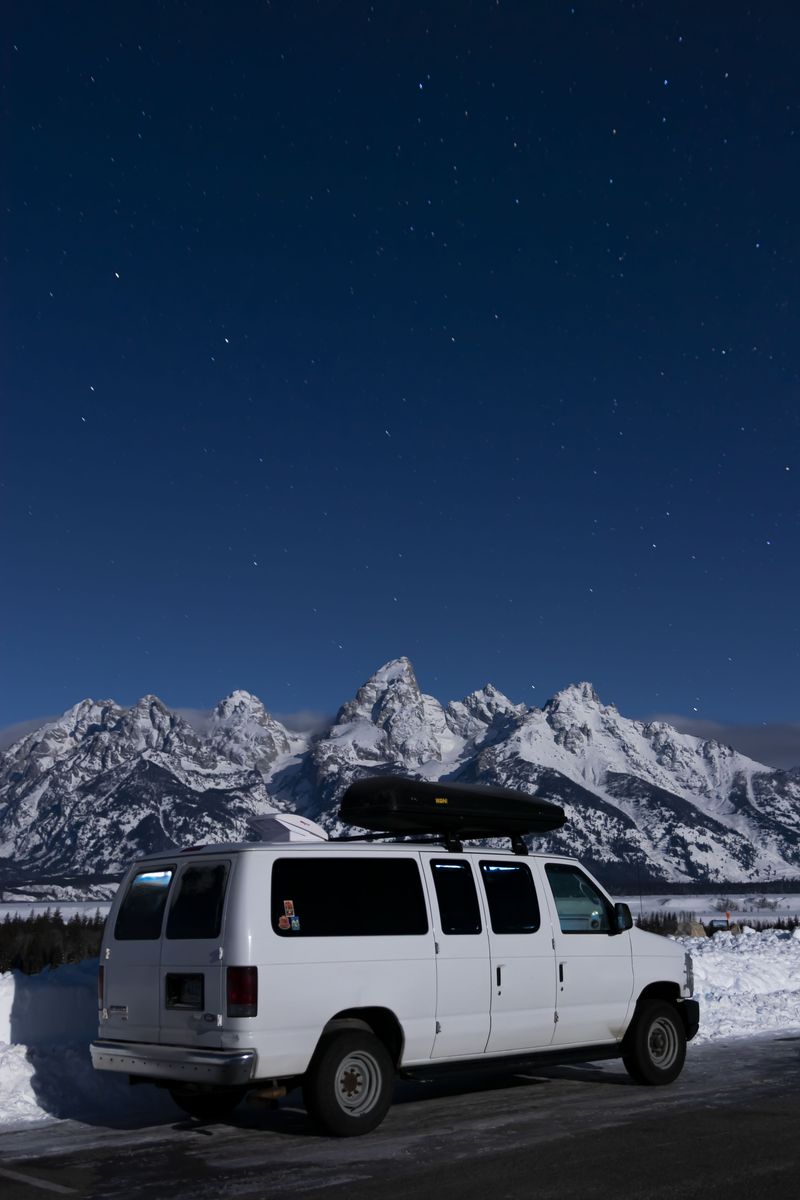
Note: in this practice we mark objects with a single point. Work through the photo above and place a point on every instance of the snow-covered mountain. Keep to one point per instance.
(102, 783)
(85, 793)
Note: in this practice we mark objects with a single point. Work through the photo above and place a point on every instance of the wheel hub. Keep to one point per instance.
(662, 1044)
(358, 1083)
(351, 1082)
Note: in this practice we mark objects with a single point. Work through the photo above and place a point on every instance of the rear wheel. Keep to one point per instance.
(655, 1048)
(348, 1086)
(208, 1104)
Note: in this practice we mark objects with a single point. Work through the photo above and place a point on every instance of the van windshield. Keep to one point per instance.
(142, 911)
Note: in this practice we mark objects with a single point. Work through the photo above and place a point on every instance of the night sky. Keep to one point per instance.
(339, 331)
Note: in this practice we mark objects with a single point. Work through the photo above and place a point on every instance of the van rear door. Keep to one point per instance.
(192, 975)
(131, 956)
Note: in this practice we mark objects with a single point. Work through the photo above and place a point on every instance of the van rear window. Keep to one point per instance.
(196, 911)
(142, 911)
(347, 897)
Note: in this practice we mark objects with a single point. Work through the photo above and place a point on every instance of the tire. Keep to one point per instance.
(214, 1104)
(348, 1086)
(655, 1048)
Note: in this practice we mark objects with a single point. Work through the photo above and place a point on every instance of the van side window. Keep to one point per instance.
(581, 907)
(456, 896)
(196, 909)
(142, 911)
(347, 897)
(510, 891)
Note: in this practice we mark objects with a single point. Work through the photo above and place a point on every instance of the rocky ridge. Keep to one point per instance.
(85, 793)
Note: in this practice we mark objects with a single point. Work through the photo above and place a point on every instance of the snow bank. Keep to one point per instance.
(746, 983)
(46, 1024)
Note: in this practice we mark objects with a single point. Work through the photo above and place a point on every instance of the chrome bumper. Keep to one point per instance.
(181, 1063)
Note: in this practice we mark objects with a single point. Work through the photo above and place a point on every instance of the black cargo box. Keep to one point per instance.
(394, 804)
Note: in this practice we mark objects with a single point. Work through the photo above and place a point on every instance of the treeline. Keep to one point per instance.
(29, 944)
(707, 887)
(664, 922)
(671, 922)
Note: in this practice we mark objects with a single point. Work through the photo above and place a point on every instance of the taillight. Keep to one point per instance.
(101, 982)
(242, 991)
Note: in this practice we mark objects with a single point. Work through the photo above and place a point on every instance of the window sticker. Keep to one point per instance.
(295, 924)
(288, 907)
(283, 923)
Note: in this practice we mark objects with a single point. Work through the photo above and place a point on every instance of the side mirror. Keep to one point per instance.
(622, 918)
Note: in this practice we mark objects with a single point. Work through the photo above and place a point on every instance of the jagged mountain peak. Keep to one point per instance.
(393, 684)
(389, 722)
(397, 673)
(396, 668)
(87, 716)
(85, 710)
(149, 724)
(581, 694)
(59, 737)
(240, 704)
(491, 698)
(244, 732)
(148, 703)
(481, 710)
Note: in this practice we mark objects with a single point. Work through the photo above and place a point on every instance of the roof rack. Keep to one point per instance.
(449, 813)
(450, 841)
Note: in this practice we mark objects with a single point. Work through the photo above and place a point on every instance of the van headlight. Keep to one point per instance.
(688, 972)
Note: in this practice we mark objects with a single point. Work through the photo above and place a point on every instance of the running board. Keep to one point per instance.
(513, 1064)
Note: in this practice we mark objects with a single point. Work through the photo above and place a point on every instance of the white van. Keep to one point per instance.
(341, 964)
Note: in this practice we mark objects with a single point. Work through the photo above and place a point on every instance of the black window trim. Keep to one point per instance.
(607, 905)
(522, 866)
(460, 862)
(352, 858)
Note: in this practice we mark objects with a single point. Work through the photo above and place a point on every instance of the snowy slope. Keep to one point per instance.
(697, 808)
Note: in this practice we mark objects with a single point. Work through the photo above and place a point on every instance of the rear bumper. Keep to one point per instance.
(180, 1063)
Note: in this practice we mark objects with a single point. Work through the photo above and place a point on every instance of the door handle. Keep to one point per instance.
(499, 976)
(560, 972)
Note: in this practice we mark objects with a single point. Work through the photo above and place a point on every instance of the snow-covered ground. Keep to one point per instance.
(746, 983)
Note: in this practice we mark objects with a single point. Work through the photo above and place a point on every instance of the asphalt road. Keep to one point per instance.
(729, 1127)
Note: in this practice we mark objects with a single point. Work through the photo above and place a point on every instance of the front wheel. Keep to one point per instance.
(655, 1048)
(208, 1104)
(348, 1086)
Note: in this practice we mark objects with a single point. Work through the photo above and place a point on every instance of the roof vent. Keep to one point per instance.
(286, 827)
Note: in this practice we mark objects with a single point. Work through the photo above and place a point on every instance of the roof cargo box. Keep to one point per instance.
(393, 804)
